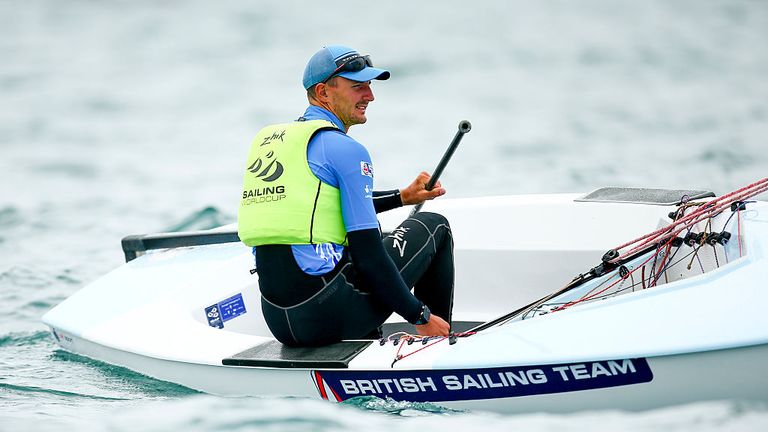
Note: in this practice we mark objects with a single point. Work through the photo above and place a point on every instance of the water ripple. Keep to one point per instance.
(133, 380)
(49, 391)
(399, 408)
(24, 339)
(26, 277)
(10, 217)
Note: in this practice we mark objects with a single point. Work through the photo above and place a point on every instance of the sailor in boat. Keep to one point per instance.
(308, 208)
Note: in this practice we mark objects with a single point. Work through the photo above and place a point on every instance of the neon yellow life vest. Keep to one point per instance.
(283, 202)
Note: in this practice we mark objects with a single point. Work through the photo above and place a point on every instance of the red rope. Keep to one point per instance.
(406, 338)
(706, 208)
(597, 293)
(684, 222)
(698, 215)
(672, 229)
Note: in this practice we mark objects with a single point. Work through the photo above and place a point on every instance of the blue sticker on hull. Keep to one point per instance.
(232, 307)
(486, 383)
(225, 310)
(214, 316)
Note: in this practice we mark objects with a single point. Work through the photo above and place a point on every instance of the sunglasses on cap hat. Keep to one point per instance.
(351, 64)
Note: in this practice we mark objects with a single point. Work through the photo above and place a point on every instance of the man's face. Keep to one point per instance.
(349, 100)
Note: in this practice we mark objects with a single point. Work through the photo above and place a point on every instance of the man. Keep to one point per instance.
(309, 209)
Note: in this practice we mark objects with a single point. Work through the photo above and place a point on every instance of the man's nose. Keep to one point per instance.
(369, 94)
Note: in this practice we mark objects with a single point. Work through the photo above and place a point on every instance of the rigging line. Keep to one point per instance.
(717, 261)
(614, 293)
(631, 286)
(626, 257)
(664, 255)
(574, 283)
(754, 189)
(589, 297)
(540, 310)
(677, 231)
(694, 256)
(439, 339)
(756, 185)
(698, 259)
(662, 269)
(682, 258)
(670, 264)
(727, 221)
(586, 298)
(599, 285)
(698, 215)
(651, 277)
(738, 219)
(725, 227)
(606, 295)
(702, 242)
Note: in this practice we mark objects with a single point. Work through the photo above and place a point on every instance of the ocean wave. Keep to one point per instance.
(210, 413)
(26, 277)
(399, 408)
(145, 385)
(10, 217)
(68, 394)
(66, 169)
(24, 339)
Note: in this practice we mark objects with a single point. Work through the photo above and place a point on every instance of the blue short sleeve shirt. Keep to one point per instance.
(340, 161)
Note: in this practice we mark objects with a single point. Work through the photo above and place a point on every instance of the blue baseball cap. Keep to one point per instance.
(333, 58)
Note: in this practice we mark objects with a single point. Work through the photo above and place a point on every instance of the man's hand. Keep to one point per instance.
(435, 327)
(416, 193)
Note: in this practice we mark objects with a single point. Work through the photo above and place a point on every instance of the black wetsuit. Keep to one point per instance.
(371, 281)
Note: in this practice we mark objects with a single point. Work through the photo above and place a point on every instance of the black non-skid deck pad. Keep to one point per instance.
(644, 195)
(336, 356)
(276, 355)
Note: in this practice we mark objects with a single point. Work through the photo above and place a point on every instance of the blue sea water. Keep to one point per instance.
(125, 117)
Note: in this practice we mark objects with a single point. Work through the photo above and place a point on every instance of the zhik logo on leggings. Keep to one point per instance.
(399, 242)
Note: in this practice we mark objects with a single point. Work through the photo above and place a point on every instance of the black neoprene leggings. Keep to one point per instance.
(302, 309)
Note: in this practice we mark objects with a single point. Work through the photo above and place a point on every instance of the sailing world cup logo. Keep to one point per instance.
(268, 169)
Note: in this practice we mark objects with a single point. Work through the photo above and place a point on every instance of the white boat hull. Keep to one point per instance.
(703, 337)
(728, 374)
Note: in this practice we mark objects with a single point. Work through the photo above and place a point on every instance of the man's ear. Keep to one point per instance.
(321, 92)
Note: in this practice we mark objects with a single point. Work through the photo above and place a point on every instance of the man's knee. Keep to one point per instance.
(432, 219)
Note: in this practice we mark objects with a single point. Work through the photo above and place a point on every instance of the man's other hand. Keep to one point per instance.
(435, 327)
(416, 192)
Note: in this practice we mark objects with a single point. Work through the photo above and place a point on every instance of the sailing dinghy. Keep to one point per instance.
(673, 316)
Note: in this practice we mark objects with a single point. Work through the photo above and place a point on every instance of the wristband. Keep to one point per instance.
(424, 317)
(386, 200)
